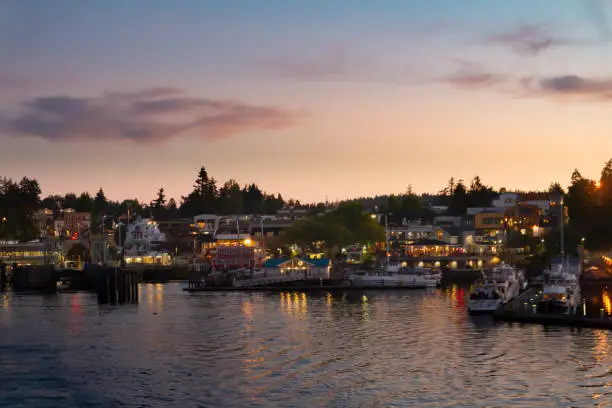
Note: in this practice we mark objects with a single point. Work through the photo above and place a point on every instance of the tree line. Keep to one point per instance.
(589, 204)
(19, 201)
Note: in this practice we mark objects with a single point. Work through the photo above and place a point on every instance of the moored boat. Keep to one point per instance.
(408, 278)
(560, 288)
(503, 284)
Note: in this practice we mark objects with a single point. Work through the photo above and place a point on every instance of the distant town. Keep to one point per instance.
(466, 225)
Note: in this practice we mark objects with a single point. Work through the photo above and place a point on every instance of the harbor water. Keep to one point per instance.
(370, 349)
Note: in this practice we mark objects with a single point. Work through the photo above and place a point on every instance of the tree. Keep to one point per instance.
(203, 198)
(346, 225)
(253, 201)
(50, 202)
(100, 203)
(458, 200)
(230, 197)
(581, 202)
(18, 204)
(555, 188)
(69, 201)
(160, 201)
(158, 206)
(479, 194)
(84, 203)
(172, 208)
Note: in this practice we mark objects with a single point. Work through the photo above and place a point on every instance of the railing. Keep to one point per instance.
(265, 281)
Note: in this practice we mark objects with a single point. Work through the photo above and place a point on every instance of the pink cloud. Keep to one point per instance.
(152, 115)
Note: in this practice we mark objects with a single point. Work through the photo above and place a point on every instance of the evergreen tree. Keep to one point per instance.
(100, 203)
(459, 200)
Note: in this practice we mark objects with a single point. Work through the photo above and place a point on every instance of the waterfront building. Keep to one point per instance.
(237, 256)
(409, 231)
(145, 244)
(30, 253)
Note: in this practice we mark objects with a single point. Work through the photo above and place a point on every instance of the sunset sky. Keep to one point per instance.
(312, 99)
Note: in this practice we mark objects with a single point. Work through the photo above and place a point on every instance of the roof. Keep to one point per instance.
(492, 211)
(276, 262)
(320, 262)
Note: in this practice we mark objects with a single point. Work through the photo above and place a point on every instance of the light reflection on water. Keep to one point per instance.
(370, 349)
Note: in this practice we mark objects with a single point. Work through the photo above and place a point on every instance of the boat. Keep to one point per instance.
(394, 275)
(560, 288)
(503, 284)
(402, 278)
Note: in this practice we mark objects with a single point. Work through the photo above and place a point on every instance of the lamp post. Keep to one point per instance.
(387, 249)
(117, 227)
(103, 255)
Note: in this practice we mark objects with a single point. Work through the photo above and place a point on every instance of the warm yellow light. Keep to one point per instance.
(248, 242)
(598, 184)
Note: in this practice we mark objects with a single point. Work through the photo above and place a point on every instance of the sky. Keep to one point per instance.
(315, 99)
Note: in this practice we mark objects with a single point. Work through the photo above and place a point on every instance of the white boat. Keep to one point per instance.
(503, 284)
(407, 278)
(560, 288)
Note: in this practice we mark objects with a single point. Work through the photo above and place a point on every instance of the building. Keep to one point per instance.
(180, 235)
(269, 228)
(238, 256)
(31, 253)
(292, 213)
(145, 244)
(506, 200)
(410, 231)
(207, 224)
(319, 268)
(44, 222)
(76, 222)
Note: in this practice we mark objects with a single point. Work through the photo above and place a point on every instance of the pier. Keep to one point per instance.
(117, 286)
(292, 285)
(524, 309)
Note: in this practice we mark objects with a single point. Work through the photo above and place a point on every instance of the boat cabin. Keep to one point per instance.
(306, 267)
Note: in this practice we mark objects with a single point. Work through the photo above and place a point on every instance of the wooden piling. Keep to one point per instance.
(117, 285)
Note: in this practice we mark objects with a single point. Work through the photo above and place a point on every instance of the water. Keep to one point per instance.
(384, 349)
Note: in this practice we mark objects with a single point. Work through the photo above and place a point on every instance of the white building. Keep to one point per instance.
(143, 243)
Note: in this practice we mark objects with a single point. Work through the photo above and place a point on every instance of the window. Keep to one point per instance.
(492, 221)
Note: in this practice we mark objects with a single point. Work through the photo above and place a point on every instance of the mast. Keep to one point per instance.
(237, 230)
(387, 243)
(261, 227)
(563, 260)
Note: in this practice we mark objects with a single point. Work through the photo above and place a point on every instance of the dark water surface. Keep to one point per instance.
(384, 349)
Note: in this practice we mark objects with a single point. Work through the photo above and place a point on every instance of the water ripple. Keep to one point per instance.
(371, 349)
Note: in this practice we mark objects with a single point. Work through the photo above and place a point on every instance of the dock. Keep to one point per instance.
(524, 310)
(297, 286)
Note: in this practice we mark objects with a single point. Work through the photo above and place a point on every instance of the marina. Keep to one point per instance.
(384, 348)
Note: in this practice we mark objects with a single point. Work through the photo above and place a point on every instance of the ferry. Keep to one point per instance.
(560, 288)
(398, 278)
(504, 283)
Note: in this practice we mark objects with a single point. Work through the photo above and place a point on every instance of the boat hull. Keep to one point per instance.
(483, 306)
(386, 282)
